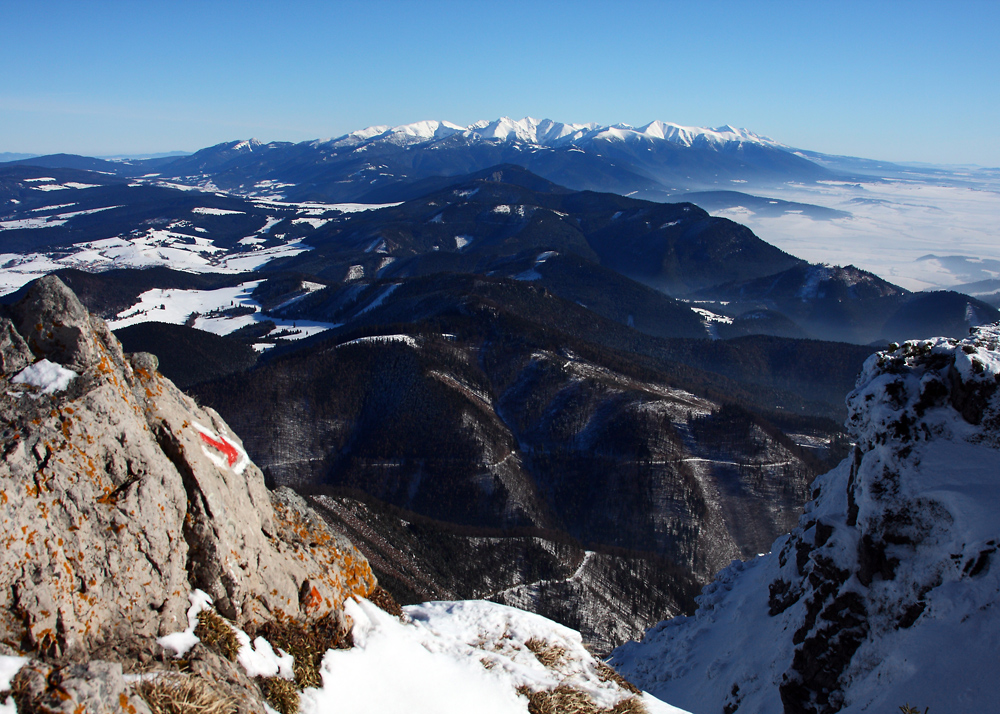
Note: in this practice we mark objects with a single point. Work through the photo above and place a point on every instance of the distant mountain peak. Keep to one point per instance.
(552, 134)
(247, 145)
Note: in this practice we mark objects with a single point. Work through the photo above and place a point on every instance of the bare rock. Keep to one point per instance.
(144, 361)
(120, 495)
(95, 687)
(14, 352)
(55, 324)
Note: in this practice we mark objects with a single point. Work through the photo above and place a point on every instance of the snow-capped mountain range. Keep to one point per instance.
(548, 133)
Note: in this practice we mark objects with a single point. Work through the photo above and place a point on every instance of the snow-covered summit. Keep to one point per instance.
(246, 146)
(416, 133)
(550, 134)
(886, 592)
(544, 132)
(683, 135)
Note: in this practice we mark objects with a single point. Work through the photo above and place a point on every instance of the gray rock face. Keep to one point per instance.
(14, 353)
(120, 495)
(94, 687)
(55, 324)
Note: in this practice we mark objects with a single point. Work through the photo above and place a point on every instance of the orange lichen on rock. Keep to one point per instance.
(130, 512)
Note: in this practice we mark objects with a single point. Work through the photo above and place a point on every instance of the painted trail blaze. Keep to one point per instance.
(227, 449)
(223, 452)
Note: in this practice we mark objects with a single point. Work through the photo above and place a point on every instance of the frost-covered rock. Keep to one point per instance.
(886, 593)
(120, 495)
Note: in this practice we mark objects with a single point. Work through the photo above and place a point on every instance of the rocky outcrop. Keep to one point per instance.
(885, 594)
(120, 495)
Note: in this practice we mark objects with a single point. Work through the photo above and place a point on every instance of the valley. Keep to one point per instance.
(517, 361)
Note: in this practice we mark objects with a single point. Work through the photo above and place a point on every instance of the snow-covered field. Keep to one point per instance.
(168, 246)
(207, 310)
(892, 229)
(154, 247)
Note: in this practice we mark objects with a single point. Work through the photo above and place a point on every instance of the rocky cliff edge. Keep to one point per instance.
(121, 496)
(886, 595)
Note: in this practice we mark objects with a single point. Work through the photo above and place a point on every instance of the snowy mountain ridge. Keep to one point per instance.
(549, 134)
(861, 607)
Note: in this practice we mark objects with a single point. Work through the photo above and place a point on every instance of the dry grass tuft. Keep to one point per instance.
(606, 674)
(561, 700)
(282, 694)
(548, 654)
(27, 700)
(565, 699)
(217, 634)
(184, 695)
(307, 642)
(383, 599)
(632, 705)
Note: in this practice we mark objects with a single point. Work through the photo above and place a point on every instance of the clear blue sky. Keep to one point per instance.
(901, 81)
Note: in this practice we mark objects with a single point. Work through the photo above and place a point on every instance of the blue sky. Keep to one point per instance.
(902, 81)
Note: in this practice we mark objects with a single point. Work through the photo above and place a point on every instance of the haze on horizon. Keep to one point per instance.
(890, 81)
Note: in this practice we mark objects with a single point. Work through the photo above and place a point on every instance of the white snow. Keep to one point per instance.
(462, 241)
(355, 272)
(23, 223)
(377, 245)
(216, 212)
(149, 248)
(549, 134)
(359, 207)
(314, 222)
(928, 481)
(177, 306)
(711, 319)
(683, 135)
(258, 658)
(379, 299)
(47, 376)
(9, 666)
(49, 221)
(67, 216)
(453, 657)
(62, 187)
(532, 274)
(52, 208)
(376, 339)
(383, 264)
(181, 642)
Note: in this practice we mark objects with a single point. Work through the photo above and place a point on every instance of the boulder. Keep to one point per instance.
(55, 324)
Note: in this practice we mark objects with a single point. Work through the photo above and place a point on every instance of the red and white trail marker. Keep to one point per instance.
(221, 451)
